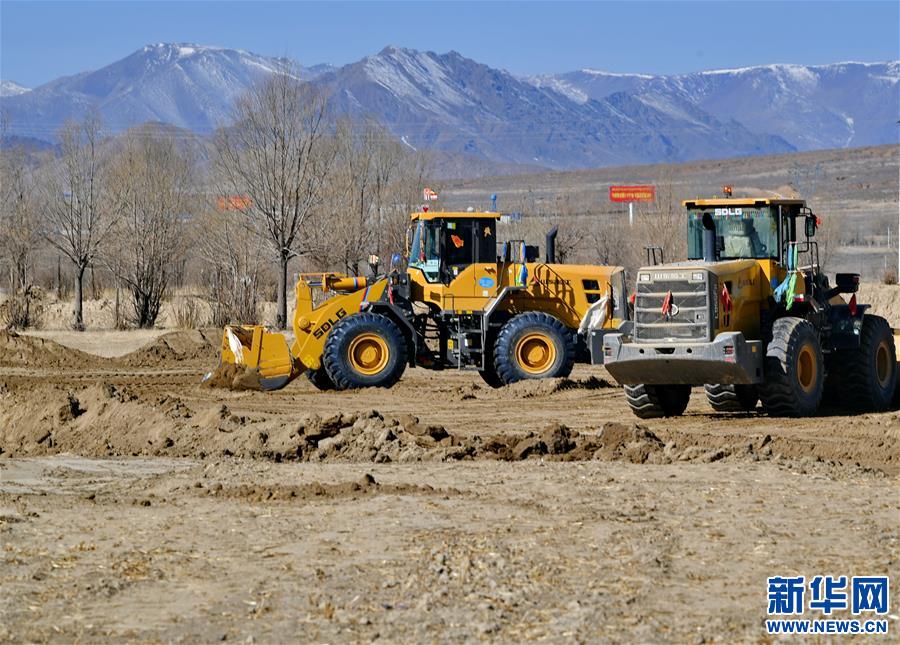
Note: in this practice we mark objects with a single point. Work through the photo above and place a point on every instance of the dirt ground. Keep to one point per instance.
(136, 504)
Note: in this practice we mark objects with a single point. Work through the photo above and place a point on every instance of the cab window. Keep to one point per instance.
(461, 241)
(424, 253)
(468, 241)
(745, 233)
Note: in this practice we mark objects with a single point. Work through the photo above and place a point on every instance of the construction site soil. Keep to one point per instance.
(136, 503)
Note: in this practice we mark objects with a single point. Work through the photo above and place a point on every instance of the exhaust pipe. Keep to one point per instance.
(551, 245)
(710, 253)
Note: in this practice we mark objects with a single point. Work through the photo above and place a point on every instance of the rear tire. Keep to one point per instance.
(732, 398)
(365, 350)
(794, 374)
(320, 379)
(489, 373)
(533, 345)
(657, 401)
(867, 377)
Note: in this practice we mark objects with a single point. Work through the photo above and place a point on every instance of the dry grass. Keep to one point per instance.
(186, 313)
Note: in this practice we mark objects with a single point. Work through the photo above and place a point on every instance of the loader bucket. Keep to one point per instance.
(261, 352)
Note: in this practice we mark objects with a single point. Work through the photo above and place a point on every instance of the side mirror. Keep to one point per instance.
(810, 225)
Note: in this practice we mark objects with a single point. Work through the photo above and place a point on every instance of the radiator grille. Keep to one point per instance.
(689, 316)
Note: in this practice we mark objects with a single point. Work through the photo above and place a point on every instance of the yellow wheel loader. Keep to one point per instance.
(463, 301)
(751, 317)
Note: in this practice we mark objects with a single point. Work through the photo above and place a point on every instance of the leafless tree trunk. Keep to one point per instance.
(152, 179)
(538, 219)
(358, 196)
(231, 256)
(663, 223)
(404, 197)
(273, 154)
(77, 219)
(18, 217)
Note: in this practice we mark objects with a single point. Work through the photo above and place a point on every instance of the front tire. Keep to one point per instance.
(533, 345)
(365, 350)
(732, 398)
(657, 401)
(794, 374)
(320, 379)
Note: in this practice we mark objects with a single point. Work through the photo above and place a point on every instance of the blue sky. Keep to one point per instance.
(40, 41)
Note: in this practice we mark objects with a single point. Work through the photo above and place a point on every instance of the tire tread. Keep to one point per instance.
(335, 365)
(503, 364)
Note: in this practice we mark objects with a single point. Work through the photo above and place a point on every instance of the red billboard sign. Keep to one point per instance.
(632, 193)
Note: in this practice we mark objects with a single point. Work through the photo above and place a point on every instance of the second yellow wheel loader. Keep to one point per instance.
(751, 317)
(463, 302)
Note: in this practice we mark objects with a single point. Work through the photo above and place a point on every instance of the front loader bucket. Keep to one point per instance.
(261, 352)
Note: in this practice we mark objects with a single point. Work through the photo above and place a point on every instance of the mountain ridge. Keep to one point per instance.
(451, 103)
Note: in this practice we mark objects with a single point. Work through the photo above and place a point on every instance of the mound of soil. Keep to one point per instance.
(229, 376)
(363, 487)
(29, 351)
(176, 347)
(121, 420)
(885, 301)
(535, 388)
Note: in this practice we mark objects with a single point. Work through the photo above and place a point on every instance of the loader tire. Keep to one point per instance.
(533, 345)
(657, 401)
(320, 379)
(365, 350)
(489, 375)
(732, 398)
(793, 367)
(866, 377)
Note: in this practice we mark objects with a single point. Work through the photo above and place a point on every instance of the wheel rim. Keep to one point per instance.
(807, 369)
(883, 365)
(369, 354)
(535, 353)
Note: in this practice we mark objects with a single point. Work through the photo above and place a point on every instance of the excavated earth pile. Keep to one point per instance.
(107, 420)
(151, 402)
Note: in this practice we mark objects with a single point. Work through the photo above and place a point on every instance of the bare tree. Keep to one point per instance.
(77, 219)
(661, 224)
(607, 240)
(152, 178)
(273, 154)
(18, 217)
(231, 257)
(539, 216)
(404, 197)
(359, 195)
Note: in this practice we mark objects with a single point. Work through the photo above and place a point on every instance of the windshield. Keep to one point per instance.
(424, 252)
(744, 232)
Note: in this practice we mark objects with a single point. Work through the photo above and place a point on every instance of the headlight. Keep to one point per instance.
(697, 276)
(644, 277)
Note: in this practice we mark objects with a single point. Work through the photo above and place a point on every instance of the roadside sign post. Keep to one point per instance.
(632, 194)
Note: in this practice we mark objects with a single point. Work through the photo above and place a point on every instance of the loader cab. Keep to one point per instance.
(747, 229)
(444, 245)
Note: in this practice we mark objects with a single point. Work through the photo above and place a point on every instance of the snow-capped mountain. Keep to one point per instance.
(186, 85)
(810, 106)
(9, 88)
(452, 103)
